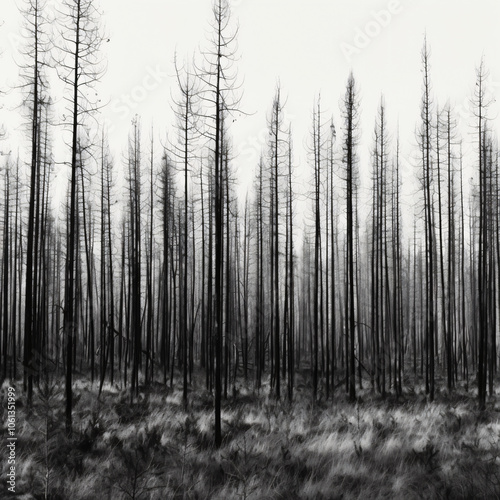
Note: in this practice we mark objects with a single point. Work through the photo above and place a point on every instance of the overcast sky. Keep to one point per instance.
(309, 46)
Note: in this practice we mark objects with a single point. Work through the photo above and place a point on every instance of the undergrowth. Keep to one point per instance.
(158, 448)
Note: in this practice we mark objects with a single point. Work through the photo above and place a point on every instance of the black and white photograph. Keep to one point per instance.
(249, 249)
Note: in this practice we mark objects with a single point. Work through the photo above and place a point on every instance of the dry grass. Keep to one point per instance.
(158, 449)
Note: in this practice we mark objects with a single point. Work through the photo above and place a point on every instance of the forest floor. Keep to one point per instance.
(158, 449)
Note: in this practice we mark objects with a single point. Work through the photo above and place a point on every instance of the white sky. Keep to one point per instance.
(302, 44)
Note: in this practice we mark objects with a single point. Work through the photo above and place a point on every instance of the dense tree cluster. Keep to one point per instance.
(181, 278)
